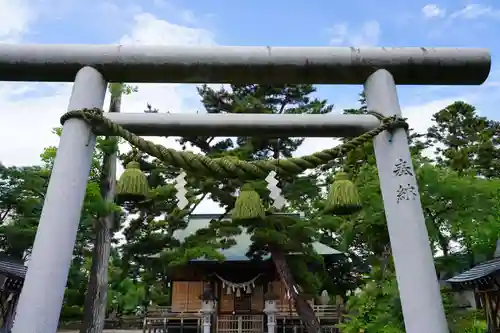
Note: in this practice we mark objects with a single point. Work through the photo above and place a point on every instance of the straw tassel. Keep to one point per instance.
(343, 198)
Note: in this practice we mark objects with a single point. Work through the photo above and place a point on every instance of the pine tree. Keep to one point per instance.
(465, 141)
(105, 223)
(285, 235)
(152, 231)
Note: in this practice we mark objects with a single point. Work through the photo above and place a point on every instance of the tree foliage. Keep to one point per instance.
(459, 194)
(457, 163)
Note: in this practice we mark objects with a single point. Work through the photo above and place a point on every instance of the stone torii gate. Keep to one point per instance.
(91, 67)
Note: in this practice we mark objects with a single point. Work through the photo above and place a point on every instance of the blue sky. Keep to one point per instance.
(257, 22)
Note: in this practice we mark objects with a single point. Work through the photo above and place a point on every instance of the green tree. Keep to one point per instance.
(377, 308)
(469, 144)
(152, 231)
(106, 221)
(458, 209)
(82, 253)
(100, 219)
(22, 192)
(126, 296)
(454, 207)
(282, 235)
(465, 141)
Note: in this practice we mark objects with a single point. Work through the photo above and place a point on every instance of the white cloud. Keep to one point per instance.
(27, 121)
(366, 35)
(468, 12)
(474, 11)
(29, 111)
(420, 116)
(27, 117)
(15, 16)
(433, 10)
(150, 30)
(167, 97)
(338, 33)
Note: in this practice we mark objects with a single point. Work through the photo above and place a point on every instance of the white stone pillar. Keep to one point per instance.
(42, 296)
(270, 310)
(417, 280)
(207, 310)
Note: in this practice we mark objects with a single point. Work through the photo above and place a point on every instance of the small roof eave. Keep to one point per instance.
(477, 273)
(12, 268)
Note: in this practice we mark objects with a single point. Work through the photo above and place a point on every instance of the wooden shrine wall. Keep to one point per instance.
(186, 296)
(229, 302)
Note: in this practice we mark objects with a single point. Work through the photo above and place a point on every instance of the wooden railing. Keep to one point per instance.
(328, 315)
(240, 323)
(321, 311)
(299, 328)
(158, 319)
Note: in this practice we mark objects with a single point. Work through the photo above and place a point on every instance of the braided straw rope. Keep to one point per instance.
(227, 167)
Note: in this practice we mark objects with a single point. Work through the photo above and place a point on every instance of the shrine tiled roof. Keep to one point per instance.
(238, 251)
(477, 273)
(12, 268)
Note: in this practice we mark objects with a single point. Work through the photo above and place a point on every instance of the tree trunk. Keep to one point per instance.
(302, 306)
(385, 260)
(97, 288)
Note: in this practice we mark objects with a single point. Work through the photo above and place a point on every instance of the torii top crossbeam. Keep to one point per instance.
(237, 64)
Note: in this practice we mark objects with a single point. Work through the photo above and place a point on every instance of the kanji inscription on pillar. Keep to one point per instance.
(406, 192)
(402, 168)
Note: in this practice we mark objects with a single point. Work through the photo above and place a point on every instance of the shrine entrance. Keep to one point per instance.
(239, 323)
(91, 67)
(240, 306)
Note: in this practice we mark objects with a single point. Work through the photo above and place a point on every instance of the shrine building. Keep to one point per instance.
(238, 295)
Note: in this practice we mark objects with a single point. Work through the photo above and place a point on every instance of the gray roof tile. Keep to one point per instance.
(12, 268)
(238, 251)
(480, 271)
